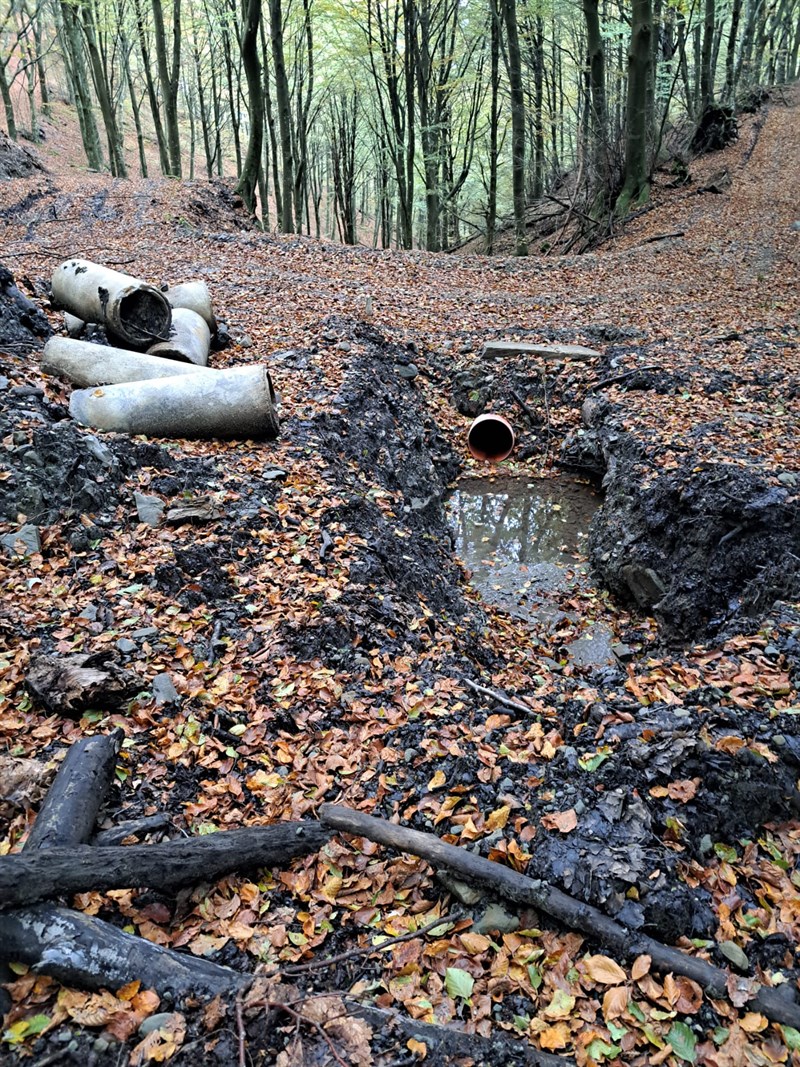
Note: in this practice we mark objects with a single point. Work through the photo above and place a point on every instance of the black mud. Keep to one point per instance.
(17, 161)
(705, 547)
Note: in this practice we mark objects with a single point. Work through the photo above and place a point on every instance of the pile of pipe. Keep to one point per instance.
(155, 378)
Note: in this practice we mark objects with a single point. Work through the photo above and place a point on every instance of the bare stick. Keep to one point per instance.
(501, 698)
(526, 408)
(450, 1042)
(240, 1029)
(115, 835)
(574, 913)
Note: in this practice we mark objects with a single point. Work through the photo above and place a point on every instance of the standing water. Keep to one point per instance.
(522, 539)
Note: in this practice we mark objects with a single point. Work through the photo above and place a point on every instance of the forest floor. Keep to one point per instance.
(319, 631)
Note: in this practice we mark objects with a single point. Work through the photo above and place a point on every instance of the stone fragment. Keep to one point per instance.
(496, 918)
(409, 371)
(555, 352)
(164, 691)
(644, 584)
(464, 893)
(23, 542)
(149, 508)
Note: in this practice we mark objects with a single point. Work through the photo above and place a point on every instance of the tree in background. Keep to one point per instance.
(403, 122)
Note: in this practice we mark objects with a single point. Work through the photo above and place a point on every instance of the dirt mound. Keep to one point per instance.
(17, 161)
(700, 545)
(379, 431)
(22, 324)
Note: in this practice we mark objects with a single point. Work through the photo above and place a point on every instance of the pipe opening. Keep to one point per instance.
(145, 315)
(491, 438)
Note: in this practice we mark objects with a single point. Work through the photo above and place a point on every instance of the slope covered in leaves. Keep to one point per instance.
(318, 630)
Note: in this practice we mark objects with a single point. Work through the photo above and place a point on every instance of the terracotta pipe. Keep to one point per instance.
(189, 341)
(234, 403)
(491, 438)
(133, 311)
(85, 364)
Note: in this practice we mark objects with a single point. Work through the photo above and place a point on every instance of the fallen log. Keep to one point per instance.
(55, 872)
(189, 340)
(449, 1041)
(82, 951)
(69, 811)
(86, 365)
(233, 403)
(68, 685)
(507, 883)
(133, 311)
(78, 949)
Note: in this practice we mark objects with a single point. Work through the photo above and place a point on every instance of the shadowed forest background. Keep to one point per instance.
(416, 123)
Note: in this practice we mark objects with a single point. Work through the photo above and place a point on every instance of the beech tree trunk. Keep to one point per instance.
(283, 101)
(253, 162)
(514, 65)
(169, 78)
(600, 180)
(636, 186)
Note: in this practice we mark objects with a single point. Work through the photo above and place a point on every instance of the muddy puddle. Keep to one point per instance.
(524, 543)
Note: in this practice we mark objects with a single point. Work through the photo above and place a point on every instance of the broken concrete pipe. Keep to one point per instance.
(190, 339)
(234, 403)
(491, 438)
(133, 311)
(85, 365)
(193, 296)
(73, 325)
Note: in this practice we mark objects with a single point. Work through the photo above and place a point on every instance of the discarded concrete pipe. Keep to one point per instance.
(194, 296)
(224, 403)
(73, 325)
(190, 339)
(131, 310)
(491, 438)
(85, 364)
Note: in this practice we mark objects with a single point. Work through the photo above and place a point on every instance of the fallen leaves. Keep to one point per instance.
(603, 970)
(563, 821)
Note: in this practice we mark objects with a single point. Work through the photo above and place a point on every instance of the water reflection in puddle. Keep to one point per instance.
(522, 539)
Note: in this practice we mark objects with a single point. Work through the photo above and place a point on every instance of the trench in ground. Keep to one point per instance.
(525, 545)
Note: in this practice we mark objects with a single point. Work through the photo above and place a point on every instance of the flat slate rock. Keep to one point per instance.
(565, 352)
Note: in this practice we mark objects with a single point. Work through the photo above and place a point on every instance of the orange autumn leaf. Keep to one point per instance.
(498, 818)
(753, 1022)
(615, 1001)
(641, 965)
(603, 970)
(474, 943)
(146, 1002)
(129, 991)
(684, 790)
(555, 1037)
(563, 821)
(419, 1048)
(437, 781)
(730, 744)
